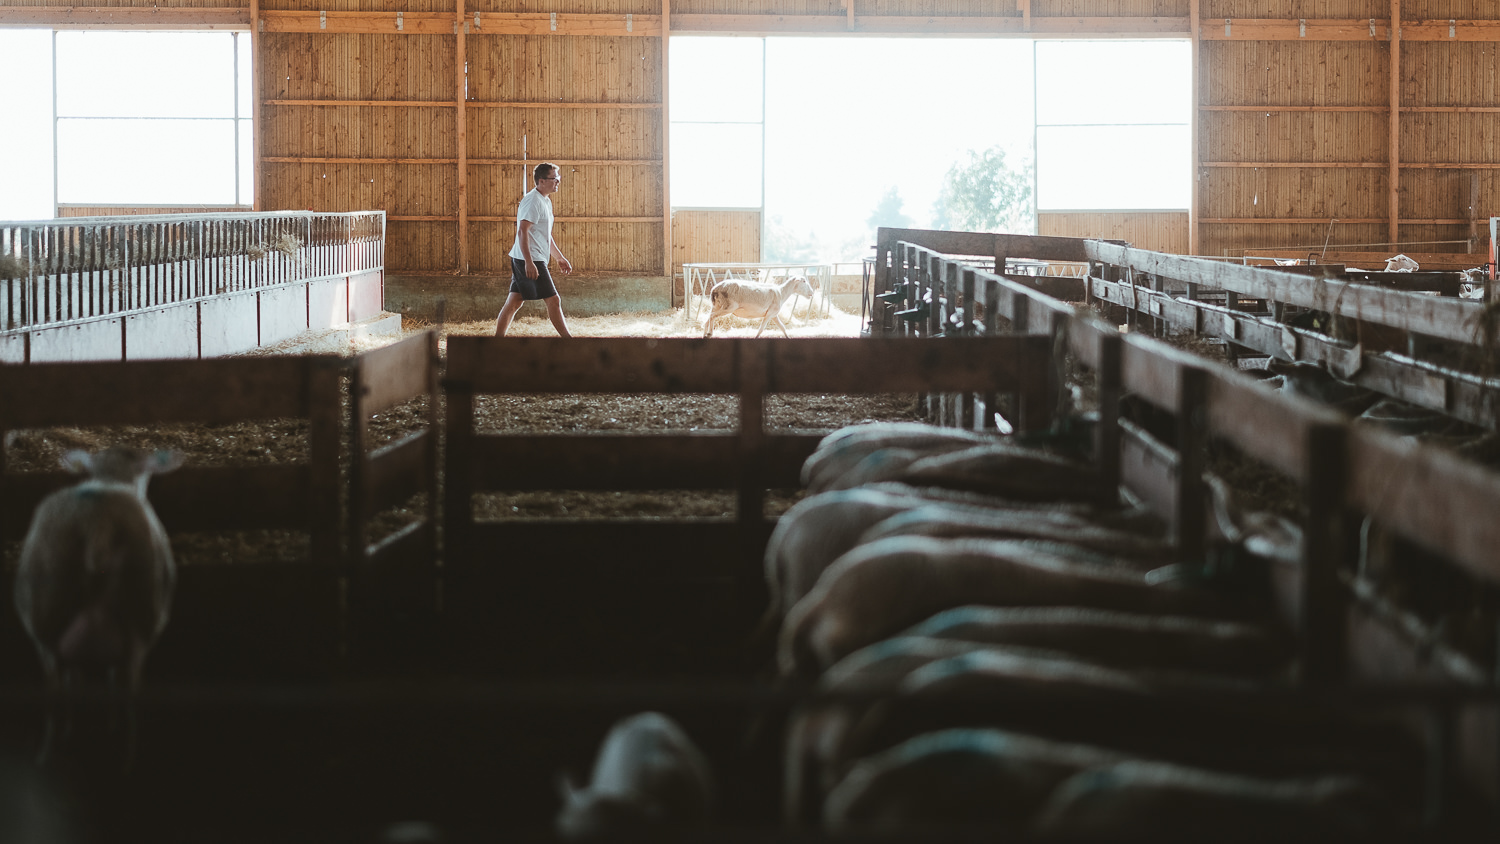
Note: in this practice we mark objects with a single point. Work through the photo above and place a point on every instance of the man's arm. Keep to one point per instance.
(562, 260)
(526, 248)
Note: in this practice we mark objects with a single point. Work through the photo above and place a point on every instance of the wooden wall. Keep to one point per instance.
(720, 234)
(1296, 140)
(1158, 231)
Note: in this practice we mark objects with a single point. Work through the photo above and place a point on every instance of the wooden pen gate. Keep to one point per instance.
(582, 590)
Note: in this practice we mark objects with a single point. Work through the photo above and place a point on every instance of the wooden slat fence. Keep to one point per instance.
(1426, 495)
(285, 616)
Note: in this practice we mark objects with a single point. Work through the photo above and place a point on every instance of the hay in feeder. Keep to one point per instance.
(12, 266)
(287, 244)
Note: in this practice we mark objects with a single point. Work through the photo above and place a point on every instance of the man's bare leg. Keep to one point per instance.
(512, 304)
(554, 313)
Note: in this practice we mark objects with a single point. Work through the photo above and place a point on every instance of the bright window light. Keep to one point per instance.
(716, 165)
(715, 79)
(149, 118)
(146, 162)
(715, 86)
(1113, 127)
(1117, 167)
(26, 142)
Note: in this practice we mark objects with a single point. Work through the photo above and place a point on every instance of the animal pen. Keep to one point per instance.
(408, 658)
(183, 286)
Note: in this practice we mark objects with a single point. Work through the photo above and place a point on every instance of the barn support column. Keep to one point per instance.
(666, 155)
(1393, 230)
(1194, 21)
(460, 124)
(256, 129)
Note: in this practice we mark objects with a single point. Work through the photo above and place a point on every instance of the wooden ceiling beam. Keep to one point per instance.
(444, 23)
(1023, 26)
(1358, 29)
(111, 17)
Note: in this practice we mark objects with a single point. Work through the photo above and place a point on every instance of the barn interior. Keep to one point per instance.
(420, 571)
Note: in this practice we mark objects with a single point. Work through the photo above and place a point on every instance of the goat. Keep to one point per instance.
(750, 299)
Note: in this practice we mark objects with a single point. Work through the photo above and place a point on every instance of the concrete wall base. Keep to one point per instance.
(215, 325)
(473, 298)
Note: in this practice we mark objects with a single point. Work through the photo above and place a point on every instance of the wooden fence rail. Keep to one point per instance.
(1345, 472)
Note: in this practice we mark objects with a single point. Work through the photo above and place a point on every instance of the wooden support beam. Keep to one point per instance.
(1194, 10)
(257, 129)
(1358, 29)
(1393, 229)
(1426, 221)
(1371, 109)
(598, 162)
(965, 26)
(1355, 165)
(450, 104)
(666, 156)
(443, 23)
(460, 95)
(108, 17)
(475, 104)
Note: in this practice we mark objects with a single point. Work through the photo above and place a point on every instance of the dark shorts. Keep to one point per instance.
(540, 287)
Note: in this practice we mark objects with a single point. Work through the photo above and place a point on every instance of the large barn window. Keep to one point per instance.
(716, 88)
(153, 118)
(1112, 125)
(26, 142)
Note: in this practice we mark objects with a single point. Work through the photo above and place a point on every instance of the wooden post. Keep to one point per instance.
(666, 157)
(256, 128)
(461, 122)
(967, 418)
(458, 478)
(1394, 174)
(1325, 544)
(1109, 383)
(753, 365)
(1194, 23)
(1192, 447)
(324, 410)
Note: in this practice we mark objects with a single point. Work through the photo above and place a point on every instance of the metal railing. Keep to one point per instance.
(55, 272)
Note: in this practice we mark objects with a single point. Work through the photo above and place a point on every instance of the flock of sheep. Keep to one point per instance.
(986, 639)
(988, 642)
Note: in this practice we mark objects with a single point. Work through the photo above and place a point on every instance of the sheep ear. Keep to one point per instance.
(78, 462)
(567, 788)
(164, 460)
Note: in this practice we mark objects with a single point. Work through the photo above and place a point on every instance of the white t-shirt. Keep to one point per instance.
(538, 209)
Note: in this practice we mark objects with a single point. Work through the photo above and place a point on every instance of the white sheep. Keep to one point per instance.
(648, 776)
(94, 585)
(751, 299)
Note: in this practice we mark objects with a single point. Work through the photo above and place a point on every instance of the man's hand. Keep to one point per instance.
(564, 264)
(531, 269)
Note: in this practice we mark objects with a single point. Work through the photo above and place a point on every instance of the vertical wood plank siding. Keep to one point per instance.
(1158, 231)
(701, 236)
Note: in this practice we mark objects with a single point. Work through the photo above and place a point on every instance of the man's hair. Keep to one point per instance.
(543, 171)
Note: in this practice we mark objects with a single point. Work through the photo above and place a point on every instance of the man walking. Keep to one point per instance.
(529, 278)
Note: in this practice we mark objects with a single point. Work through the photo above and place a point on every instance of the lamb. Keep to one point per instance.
(750, 299)
(649, 776)
(96, 576)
